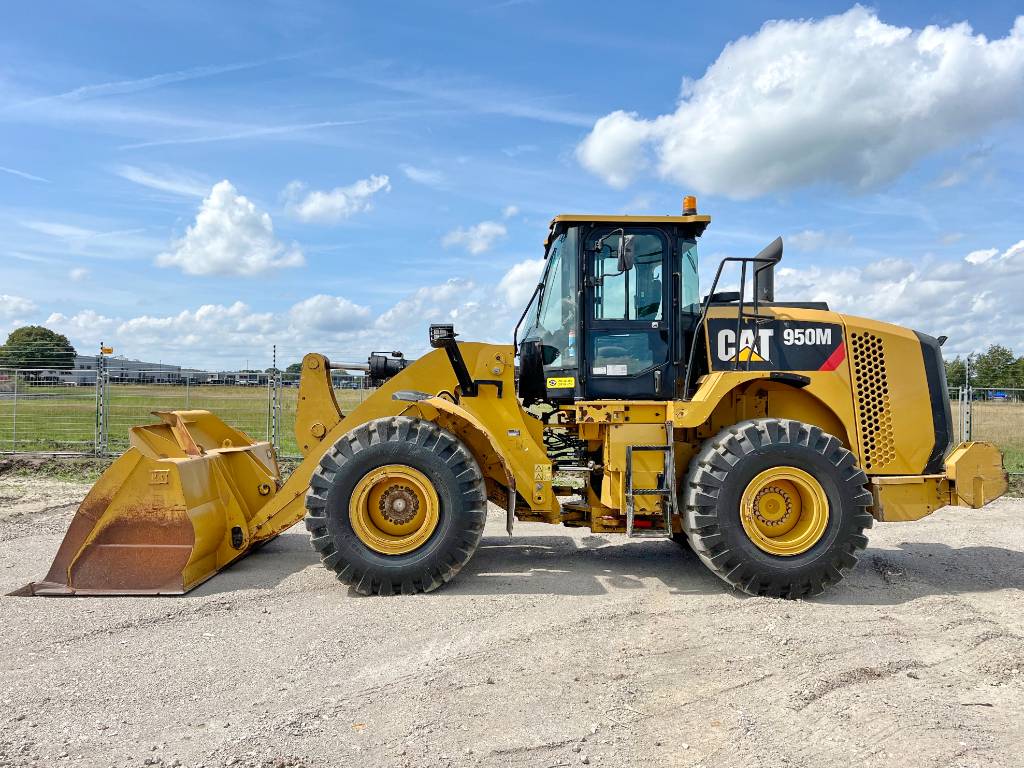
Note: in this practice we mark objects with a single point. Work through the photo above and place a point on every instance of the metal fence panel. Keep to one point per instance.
(243, 406)
(44, 411)
(997, 416)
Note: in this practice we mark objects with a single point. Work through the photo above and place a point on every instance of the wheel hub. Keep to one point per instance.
(772, 506)
(784, 511)
(394, 509)
(398, 504)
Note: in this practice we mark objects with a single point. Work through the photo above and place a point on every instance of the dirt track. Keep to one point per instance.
(554, 648)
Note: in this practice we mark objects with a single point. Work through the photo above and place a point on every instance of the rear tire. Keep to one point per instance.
(734, 461)
(430, 557)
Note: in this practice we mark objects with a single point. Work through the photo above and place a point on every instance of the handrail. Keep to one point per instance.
(744, 260)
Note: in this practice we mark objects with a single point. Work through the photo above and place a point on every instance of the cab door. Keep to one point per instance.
(627, 329)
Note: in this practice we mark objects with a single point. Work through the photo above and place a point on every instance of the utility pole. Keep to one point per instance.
(966, 400)
(272, 413)
(14, 428)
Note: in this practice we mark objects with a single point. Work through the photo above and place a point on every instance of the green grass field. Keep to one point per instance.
(63, 419)
(1002, 424)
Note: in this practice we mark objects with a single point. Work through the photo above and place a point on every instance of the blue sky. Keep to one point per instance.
(194, 182)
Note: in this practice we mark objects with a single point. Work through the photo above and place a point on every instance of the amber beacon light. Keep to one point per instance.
(689, 206)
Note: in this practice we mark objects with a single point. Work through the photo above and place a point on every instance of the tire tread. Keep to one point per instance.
(425, 435)
(709, 475)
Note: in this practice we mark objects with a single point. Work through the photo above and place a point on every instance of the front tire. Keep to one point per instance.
(777, 508)
(396, 505)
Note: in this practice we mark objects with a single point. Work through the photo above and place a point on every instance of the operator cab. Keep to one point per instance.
(612, 313)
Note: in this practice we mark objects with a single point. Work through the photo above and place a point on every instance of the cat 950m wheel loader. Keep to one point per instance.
(767, 435)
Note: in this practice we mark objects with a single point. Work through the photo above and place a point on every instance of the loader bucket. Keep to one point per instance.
(171, 512)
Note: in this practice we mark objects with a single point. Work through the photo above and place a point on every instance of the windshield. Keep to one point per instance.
(554, 320)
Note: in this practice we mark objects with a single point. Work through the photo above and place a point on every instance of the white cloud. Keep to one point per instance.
(12, 306)
(973, 164)
(119, 87)
(329, 313)
(166, 180)
(510, 211)
(23, 174)
(184, 337)
(638, 204)
(230, 325)
(616, 148)
(817, 239)
(975, 301)
(430, 304)
(337, 204)
(520, 149)
(223, 335)
(478, 238)
(980, 257)
(847, 99)
(230, 236)
(227, 132)
(78, 274)
(63, 231)
(518, 283)
(89, 237)
(473, 95)
(427, 176)
(85, 325)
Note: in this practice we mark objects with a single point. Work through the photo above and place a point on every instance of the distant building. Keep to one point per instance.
(120, 371)
(123, 371)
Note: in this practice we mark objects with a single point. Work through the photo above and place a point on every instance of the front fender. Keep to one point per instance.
(484, 445)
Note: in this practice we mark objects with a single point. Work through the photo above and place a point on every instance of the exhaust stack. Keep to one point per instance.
(764, 272)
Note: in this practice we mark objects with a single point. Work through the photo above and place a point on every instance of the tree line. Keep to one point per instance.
(33, 346)
(995, 368)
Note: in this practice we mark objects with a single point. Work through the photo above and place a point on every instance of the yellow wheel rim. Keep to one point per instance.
(784, 511)
(394, 509)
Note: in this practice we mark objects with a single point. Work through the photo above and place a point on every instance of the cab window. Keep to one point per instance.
(635, 294)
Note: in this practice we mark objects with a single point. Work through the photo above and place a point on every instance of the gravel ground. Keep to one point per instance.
(553, 648)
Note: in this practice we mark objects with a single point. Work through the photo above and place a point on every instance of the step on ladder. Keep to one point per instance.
(666, 490)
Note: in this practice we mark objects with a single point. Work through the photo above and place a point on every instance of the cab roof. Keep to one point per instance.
(578, 217)
(697, 223)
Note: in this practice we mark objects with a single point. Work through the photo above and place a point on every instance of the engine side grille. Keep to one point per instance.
(872, 389)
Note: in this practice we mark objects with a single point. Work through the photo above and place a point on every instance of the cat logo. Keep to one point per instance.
(775, 345)
(747, 355)
(753, 346)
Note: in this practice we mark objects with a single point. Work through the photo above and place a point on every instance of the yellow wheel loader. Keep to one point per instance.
(766, 435)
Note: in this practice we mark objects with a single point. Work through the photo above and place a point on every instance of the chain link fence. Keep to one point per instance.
(992, 414)
(89, 412)
(41, 411)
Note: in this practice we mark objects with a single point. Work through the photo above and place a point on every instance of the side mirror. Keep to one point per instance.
(627, 252)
